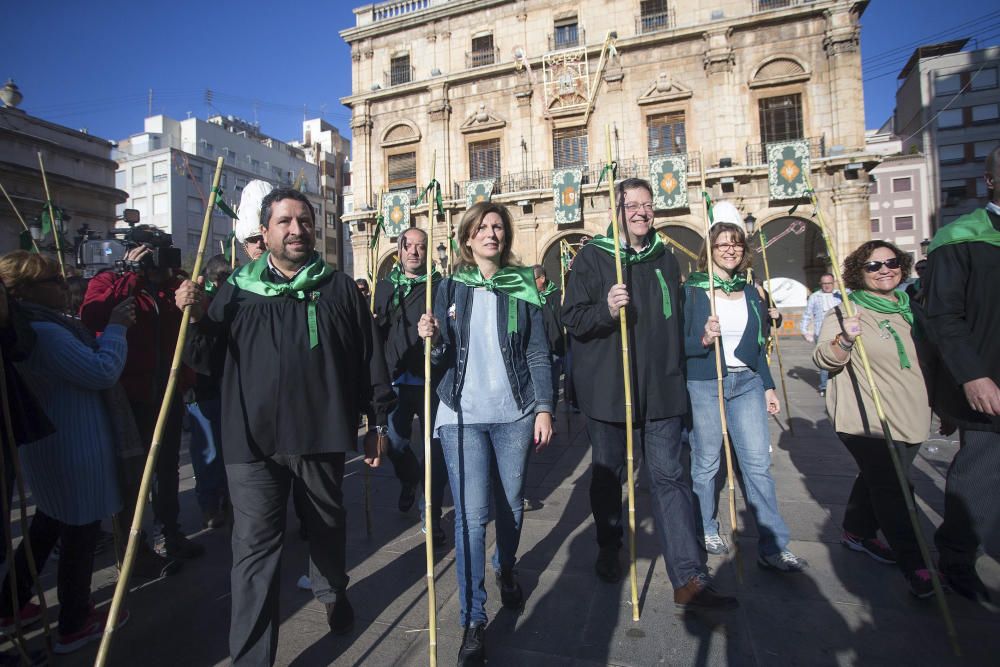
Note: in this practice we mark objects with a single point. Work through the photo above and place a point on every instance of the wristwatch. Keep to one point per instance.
(382, 430)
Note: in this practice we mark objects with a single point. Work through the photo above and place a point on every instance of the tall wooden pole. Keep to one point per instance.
(627, 376)
(904, 482)
(18, 214)
(428, 416)
(730, 481)
(154, 449)
(52, 216)
(777, 344)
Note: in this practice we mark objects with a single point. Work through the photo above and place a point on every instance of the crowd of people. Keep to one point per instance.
(285, 356)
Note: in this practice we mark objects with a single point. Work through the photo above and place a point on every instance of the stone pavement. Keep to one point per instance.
(845, 610)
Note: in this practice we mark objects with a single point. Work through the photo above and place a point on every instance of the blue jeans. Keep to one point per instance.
(746, 416)
(478, 455)
(408, 463)
(824, 377)
(673, 508)
(205, 448)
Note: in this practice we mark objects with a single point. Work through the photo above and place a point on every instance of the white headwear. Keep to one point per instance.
(248, 220)
(724, 211)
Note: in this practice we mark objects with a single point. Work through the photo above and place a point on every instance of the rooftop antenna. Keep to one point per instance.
(149, 104)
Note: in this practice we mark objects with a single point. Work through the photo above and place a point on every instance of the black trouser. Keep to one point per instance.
(166, 506)
(877, 500)
(971, 508)
(76, 565)
(259, 494)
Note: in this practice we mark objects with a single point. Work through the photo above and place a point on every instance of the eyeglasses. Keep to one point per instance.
(873, 266)
(729, 247)
(254, 240)
(632, 207)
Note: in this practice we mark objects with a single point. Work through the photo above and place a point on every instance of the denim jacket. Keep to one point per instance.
(525, 351)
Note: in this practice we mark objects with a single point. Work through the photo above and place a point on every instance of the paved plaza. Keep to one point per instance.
(845, 610)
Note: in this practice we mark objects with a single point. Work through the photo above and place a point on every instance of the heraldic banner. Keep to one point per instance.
(668, 176)
(477, 191)
(787, 164)
(396, 210)
(566, 195)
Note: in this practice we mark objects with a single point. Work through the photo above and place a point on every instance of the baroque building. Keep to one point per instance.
(514, 92)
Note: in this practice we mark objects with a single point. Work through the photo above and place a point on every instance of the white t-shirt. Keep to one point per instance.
(733, 318)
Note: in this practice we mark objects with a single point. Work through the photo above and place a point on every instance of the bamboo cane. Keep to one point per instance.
(18, 214)
(372, 254)
(154, 449)
(904, 482)
(777, 344)
(627, 376)
(730, 481)
(232, 248)
(52, 215)
(428, 528)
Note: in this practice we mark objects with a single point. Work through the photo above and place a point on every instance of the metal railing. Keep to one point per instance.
(390, 10)
(482, 58)
(570, 39)
(768, 5)
(399, 76)
(757, 153)
(646, 23)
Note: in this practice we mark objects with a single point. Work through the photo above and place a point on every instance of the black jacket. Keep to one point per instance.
(278, 395)
(655, 343)
(397, 326)
(552, 319)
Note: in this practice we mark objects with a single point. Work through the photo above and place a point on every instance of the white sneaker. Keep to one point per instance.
(784, 561)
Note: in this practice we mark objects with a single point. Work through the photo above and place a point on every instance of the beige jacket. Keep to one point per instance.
(902, 390)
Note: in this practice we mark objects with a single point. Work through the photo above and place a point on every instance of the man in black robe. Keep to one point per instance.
(301, 360)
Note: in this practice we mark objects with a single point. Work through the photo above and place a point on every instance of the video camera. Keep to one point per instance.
(94, 255)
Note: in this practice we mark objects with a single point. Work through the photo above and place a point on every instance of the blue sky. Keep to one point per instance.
(92, 64)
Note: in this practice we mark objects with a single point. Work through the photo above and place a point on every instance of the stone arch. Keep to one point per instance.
(778, 70)
(385, 263)
(798, 259)
(400, 132)
(689, 239)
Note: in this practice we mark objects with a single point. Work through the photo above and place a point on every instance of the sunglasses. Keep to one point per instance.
(873, 266)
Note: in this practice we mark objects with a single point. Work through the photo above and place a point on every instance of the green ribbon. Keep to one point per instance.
(379, 227)
(403, 285)
(708, 203)
(438, 200)
(665, 295)
(549, 288)
(884, 306)
(255, 277)
(734, 284)
(611, 168)
(975, 227)
(517, 282)
(649, 253)
(210, 287)
(222, 204)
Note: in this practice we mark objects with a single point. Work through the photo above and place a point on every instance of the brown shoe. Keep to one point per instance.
(697, 592)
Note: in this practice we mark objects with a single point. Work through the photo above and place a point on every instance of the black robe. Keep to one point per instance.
(278, 395)
(404, 349)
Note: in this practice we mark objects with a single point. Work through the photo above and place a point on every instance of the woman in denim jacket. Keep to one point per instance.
(741, 325)
(496, 399)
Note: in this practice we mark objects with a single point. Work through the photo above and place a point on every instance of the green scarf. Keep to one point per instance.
(970, 228)
(734, 284)
(878, 304)
(517, 282)
(256, 277)
(652, 251)
(549, 288)
(402, 285)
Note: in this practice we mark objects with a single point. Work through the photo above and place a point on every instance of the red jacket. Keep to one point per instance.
(151, 340)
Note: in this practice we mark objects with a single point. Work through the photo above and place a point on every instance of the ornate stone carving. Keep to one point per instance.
(664, 89)
(719, 55)
(843, 34)
(481, 120)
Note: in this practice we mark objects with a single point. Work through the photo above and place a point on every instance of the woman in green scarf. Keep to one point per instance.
(496, 400)
(873, 272)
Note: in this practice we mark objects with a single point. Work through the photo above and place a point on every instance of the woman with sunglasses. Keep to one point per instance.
(748, 390)
(874, 272)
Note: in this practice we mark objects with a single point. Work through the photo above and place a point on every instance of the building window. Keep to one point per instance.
(403, 172)
(161, 170)
(665, 134)
(482, 51)
(949, 118)
(780, 118)
(981, 149)
(161, 204)
(985, 113)
(569, 147)
(953, 192)
(141, 204)
(987, 78)
(566, 34)
(951, 154)
(331, 220)
(876, 224)
(399, 70)
(981, 188)
(949, 84)
(873, 186)
(903, 223)
(653, 16)
(194, 205)
(139, 174)
(196, 172)
(120, 179)
(484, 159)
(904, 184)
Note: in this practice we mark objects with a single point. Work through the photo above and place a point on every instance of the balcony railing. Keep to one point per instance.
(569, 39)
(390, 10)
(757, 153)
(482, 58)
(768, 5)
(647, 23)
(399, 76)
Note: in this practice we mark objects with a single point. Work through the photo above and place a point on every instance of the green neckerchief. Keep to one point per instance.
(210, 287)
(884, 306)
(652, 251)
(402, 285)
(256, 277)
(549, 288)
(734, 284)
(975, 227)
(517, 282)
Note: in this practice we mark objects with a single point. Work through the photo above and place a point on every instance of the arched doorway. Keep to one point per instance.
(685, 244)
(796, 256)
(385, 266)
(550, 258)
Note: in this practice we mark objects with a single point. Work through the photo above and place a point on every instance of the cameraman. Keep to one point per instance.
(151, 343)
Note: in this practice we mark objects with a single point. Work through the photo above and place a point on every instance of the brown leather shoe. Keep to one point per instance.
(697, 592)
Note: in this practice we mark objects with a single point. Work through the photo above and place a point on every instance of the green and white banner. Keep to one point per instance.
(787, 165)
(477, 191)
(668, 176)
(566, 195)
(396, 210)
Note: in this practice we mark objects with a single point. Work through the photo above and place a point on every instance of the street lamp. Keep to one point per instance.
(924, 245)
(750, 222)
(442, 252)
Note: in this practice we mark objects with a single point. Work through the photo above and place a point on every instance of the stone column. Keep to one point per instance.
(841, 43)
(716, 113)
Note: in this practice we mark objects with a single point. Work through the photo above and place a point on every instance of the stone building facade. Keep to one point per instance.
(513, 89)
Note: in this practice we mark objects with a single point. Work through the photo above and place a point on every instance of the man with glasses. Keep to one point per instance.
(650, 296)
(812, 319)
(248, 229)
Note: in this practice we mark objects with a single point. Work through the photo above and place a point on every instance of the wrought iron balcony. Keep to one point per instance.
(571, 38)
(768, 5)
(757, 153)
(647, 23)
(482, 58)
(399, 75)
